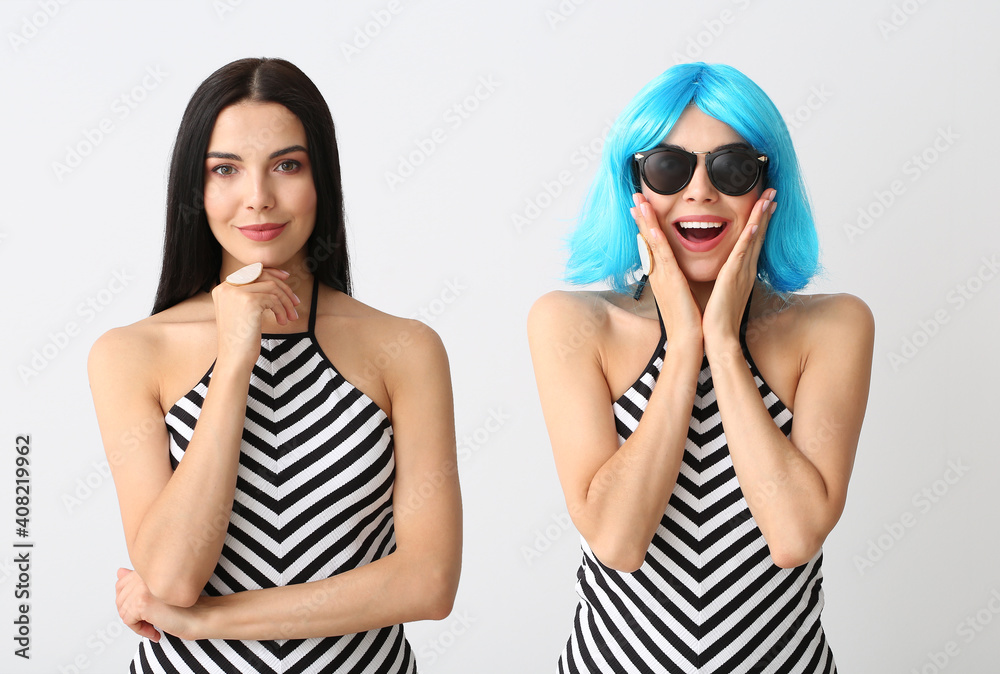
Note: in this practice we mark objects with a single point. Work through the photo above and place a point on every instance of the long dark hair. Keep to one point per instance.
(192, 258)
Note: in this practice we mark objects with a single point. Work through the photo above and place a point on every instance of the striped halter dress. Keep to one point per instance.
(313, 499)
(707, 598)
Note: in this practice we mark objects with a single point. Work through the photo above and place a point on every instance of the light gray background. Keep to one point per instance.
(865, 86)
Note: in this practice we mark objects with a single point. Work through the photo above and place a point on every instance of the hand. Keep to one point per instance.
(239, 311)
(724, 311)
(140, 610)
(681, 316)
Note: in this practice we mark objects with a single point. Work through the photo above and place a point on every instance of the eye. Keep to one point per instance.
(224, 170)
(288, 165)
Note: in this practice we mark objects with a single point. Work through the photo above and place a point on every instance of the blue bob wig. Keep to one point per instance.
(602, 248)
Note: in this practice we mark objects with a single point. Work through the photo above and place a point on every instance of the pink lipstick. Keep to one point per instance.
(265, 232)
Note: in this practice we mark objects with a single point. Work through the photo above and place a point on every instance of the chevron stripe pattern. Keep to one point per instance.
(707, 599)
(313, 499)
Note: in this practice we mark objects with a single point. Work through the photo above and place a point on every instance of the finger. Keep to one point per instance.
(275, 296)
(761, 222)
(145, 629)
(655, 237)
(286, 297)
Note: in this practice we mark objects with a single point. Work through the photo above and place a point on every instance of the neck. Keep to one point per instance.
(701, 291)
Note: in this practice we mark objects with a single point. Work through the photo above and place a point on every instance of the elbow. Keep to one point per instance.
(171, 589)
(790, 554)
(437, 595)
(627, 557)
(176, 595)
(439, 605)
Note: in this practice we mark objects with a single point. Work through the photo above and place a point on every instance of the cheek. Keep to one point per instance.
(305, 199)
(217, 202)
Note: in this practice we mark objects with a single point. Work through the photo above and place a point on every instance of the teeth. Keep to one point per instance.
(699, 225)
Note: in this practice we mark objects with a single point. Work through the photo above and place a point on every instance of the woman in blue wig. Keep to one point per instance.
(669, 399)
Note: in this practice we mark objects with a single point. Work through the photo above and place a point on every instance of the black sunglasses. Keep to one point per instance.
(667, 170)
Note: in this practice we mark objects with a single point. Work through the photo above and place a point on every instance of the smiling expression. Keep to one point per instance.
(701, 224)
(260, 199)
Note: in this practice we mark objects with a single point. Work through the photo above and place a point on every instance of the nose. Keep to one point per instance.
(259, 194)
(700, 189)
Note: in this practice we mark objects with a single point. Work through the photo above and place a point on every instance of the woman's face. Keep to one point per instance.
(701, 252)
(259, 194)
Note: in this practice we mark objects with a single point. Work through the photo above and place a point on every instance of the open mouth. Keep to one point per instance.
(700, 232)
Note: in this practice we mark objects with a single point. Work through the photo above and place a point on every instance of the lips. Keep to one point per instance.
(700, 233)
(263, 232)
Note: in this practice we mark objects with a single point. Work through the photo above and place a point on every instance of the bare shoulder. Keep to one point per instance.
(569, 317)
(380, 331)
(129, 348)
(133, 353)
(840, 313)
(837, 320)
(379, 353)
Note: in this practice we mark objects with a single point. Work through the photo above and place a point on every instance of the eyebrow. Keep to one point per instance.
(727, 146)
(273, 155)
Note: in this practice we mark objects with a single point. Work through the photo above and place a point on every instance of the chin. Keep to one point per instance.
(701, 274)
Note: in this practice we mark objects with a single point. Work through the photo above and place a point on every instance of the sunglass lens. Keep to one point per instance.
(734, 173)
(667, 172)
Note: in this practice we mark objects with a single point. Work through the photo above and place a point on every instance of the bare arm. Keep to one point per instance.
(417, 581)
(175, 521)
(796, 487)
(615, 495)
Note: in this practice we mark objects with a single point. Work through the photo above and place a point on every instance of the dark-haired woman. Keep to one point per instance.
(284, 455)
(702, 508)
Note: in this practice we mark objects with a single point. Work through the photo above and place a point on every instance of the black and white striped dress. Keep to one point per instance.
(313, 499)
(707, 599)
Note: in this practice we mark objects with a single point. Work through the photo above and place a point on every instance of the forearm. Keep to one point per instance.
(388, 591)
(629, 494)
(180, 539)
(785, 492)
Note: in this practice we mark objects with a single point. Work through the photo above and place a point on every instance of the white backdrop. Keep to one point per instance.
(500, 109)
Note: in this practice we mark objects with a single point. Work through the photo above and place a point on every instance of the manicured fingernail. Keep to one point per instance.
(645, 209)
(633, 212)
(753, 230)
(774, 205)
(635, 198)
(296, 297)
(767, 202)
